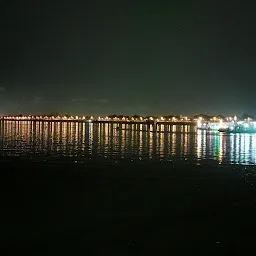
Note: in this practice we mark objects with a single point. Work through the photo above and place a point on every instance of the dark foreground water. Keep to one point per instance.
(76, 189)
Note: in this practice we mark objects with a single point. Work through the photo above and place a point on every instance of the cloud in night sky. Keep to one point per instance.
(103, 101)
(37, 100)
(79, 100)
(2, 89)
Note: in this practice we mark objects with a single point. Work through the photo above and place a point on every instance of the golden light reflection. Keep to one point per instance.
(174, 140)
(151, 143)
(160, 142)
(140, 140)
(123, 135)
(88, 138)
(199, 144)
(186, 143)
(125, 140)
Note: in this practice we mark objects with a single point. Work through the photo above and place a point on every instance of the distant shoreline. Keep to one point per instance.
(101, 121)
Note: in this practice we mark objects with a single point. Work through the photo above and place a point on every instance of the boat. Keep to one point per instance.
(223, 130)
(240, 128)
(204, 128)
(210, 126)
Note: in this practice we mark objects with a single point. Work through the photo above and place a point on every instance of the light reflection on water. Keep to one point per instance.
(127, 141)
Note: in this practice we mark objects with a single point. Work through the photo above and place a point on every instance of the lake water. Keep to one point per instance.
(129, 141)
(55, 202)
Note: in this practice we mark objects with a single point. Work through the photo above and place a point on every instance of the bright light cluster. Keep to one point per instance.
(201, 121)
(99, 118)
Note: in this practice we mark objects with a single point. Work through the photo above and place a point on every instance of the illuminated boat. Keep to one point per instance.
(211, 126)
(204, 127)
(240, 128)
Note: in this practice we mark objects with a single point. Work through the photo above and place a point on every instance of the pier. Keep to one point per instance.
(123, 120)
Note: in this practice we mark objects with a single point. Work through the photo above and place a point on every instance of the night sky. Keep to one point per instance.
(128, 57)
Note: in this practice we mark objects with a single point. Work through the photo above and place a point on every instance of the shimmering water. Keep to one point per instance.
(133, 141)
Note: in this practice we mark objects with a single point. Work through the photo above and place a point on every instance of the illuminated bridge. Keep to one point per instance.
(139, 120)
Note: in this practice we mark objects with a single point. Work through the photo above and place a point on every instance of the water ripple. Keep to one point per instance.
(125, 141)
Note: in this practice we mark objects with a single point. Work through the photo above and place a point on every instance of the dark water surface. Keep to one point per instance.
(92, 189)
(129, 141)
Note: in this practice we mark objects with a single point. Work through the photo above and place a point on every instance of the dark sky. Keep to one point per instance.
(145, 57)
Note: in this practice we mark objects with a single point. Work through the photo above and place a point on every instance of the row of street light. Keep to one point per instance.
(116, 118)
